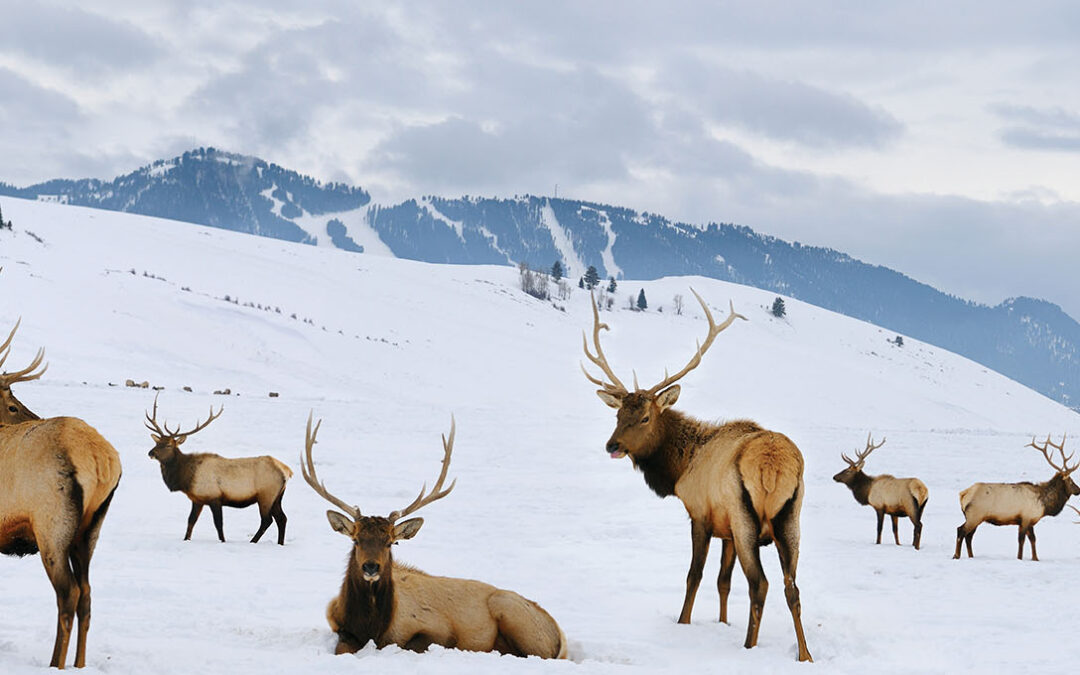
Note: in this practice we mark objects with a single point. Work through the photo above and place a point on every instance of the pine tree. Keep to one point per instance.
(581, 282)
(611, 286)
(592, 277)
(778, 309)
(557, 271)
(642, 304)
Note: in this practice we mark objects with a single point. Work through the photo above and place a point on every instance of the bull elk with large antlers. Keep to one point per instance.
(211, 480)
(1021, 504)
(389, 603)
(57, 478)
(739, 482)
(886, 494)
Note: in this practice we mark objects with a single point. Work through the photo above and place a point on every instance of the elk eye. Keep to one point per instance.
(645, 420)
(12, 408)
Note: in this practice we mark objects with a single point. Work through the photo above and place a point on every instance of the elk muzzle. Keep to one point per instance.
(615, 449)
(371, 571)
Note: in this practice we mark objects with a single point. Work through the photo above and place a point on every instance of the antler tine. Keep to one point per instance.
(1077, 512)
(870, 447)
(200, 427)
(437, 492)
(714, 330)
(1044, 449)
(307, 468)
(599, 360)
(151, 422)
(26, 374)
(10, 337)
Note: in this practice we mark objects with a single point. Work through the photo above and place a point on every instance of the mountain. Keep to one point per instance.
(1031, 341)
(385, 350)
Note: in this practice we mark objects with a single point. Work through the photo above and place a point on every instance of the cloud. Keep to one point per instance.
(75, 40)
(780, 109)
(1039, 128)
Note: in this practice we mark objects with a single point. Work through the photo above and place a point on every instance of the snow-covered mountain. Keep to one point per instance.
(384, 350)
(1031, 341)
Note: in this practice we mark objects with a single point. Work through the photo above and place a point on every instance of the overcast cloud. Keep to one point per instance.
(941, 139)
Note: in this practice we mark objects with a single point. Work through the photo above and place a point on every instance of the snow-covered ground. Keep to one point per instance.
(390, 349)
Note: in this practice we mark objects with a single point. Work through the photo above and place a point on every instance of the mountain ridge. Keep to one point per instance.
(1030, 340)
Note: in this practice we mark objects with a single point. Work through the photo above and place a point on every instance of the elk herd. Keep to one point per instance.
(739, 482)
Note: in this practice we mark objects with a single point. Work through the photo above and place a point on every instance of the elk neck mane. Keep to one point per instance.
(680, 436)
(860, 487)
(368, 607)
(1053, 494)
(179, 471)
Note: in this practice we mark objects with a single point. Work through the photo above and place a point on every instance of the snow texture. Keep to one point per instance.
(389, 350)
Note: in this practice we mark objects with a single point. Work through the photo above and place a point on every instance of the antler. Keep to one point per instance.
(860, 457)
(714, 330)
(152, 425)
(1077, 512)
(26, 374)
(616, 387)
(307, 468)
(437, 492)
(1064, 468)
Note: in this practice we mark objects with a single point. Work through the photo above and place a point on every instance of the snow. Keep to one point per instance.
(457, 225)
(561, 238)
(607, 255)
(393, 347)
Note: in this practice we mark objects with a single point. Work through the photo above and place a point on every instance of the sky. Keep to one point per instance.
(939, 139)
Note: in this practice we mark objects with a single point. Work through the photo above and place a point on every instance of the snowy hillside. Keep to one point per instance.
(384, 350)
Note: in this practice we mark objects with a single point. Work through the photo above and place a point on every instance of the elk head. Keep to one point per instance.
(372, 536)
(855, 466)
(12, 411)
(167, 442)
(1063, 470)
(637, 430)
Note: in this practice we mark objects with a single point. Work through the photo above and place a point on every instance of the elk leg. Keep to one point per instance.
(80, 563)
(750, 559)
(196, 509)
(215, 510)
(264, 522)
(967, 541)
(895, 527)
(58, 567)
(959, 540)
(723, 582)
(880, 522)
(1031, 538)
(917, 536)
(699, 539)
(523, 628)
(786, 537)
(279, 518)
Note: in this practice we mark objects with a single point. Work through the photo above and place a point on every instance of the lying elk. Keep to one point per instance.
(738, 481)
(57, 478)
(215, 481)
(886, 494)
(389, 603)
(1022, 504)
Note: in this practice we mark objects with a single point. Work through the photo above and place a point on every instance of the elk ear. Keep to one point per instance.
(155, 438)
(667, 398)
(340, 522)
(611, 400)
(181, 439)
(407, 529)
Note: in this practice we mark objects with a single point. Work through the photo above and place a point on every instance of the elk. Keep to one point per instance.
(13, 411)
(57, 479)
(886, 494)
(1021, 504)
(739, 482)
(211, 480)
(389, 603)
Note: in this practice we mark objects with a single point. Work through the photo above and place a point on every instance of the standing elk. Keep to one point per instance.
(738, 481)
(211, 480)
(1022, 504)
(57, 479)
(389, 603)
(886, 494)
